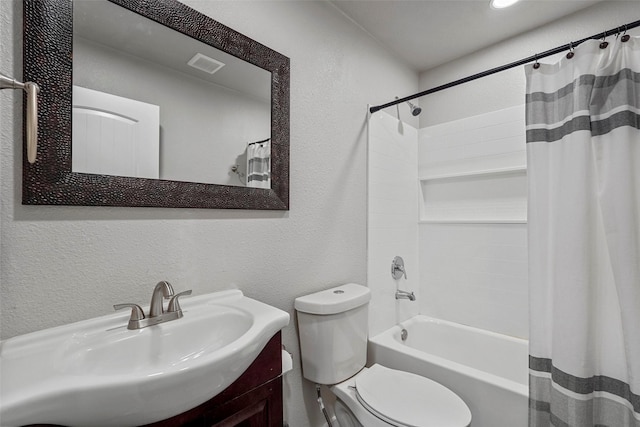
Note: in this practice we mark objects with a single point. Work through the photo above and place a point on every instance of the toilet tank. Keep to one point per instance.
(333, 326)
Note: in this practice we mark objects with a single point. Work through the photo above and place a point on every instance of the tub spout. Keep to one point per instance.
(405, 295)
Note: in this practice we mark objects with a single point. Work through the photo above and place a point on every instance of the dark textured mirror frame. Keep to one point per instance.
(48, 55)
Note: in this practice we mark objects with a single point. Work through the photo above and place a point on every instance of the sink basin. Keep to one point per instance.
(99, 373)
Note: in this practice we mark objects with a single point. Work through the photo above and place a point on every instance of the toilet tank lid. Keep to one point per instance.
(335, 300)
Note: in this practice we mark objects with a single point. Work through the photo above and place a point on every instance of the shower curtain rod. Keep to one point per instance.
(259, 142)
(486, 73)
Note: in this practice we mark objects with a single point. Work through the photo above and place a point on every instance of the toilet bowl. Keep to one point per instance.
(381, 397)
(333, 326)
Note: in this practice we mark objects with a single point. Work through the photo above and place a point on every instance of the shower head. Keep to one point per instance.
(415, 110)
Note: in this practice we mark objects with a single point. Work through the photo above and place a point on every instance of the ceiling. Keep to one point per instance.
(427, 33)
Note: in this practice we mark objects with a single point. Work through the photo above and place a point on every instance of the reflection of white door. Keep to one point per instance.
(113, 135)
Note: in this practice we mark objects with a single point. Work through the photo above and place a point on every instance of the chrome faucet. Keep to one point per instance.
(405, 295)
(157, 314)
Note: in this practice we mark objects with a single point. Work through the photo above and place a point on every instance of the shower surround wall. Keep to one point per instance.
(62, 264)
(472, 232)
(392, 219)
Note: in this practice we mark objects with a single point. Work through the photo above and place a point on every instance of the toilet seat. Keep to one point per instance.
(404, 399)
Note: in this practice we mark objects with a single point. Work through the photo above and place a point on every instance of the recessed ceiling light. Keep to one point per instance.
(501, 4)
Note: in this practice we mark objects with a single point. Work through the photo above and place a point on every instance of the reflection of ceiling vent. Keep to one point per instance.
(204, 63)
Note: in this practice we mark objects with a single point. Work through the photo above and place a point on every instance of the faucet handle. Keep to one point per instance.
(397, 268)
(174, 304)
(136, 310)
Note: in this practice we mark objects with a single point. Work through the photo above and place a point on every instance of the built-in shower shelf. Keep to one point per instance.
(464, 174)
(474, 221)
(486, 196)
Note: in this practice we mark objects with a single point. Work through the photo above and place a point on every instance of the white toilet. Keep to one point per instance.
(333, 340)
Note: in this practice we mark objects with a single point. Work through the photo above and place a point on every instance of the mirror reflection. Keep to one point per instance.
(150, 102)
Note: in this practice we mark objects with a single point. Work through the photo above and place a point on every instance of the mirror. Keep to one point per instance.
(202, 155)
(190, 110)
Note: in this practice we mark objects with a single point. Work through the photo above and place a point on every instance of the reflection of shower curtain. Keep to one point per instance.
(583, 149)
(259, 164)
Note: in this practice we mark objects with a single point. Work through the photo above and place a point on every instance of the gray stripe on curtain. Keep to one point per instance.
(566, 101)
(566, 411)
(259, 170)
(584, 80)
(586, 385)
(607, 93)
(550, 135)
(599, 127)
(259, 162)
(623, 118)
(601, 82)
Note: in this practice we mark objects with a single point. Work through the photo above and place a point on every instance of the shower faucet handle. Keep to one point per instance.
(397, 268)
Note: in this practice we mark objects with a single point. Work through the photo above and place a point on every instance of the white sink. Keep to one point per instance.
(99, 373)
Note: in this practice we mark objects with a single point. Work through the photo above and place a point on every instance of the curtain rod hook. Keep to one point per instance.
(570, 54)
(537, 64)
(604, 43)
(625, 36)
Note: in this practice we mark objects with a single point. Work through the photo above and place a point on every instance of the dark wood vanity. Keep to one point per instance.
(253, 400)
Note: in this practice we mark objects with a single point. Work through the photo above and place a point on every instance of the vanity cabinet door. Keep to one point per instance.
(253, 400)
(261, 407)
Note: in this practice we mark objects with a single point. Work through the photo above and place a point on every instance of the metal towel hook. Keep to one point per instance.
(32, 91)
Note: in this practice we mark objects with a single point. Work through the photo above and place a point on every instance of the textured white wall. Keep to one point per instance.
(392, 219)
(63, 264)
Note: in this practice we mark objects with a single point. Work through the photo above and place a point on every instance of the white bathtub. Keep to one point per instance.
(488, 371)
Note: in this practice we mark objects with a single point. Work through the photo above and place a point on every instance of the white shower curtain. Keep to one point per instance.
(583, 150)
